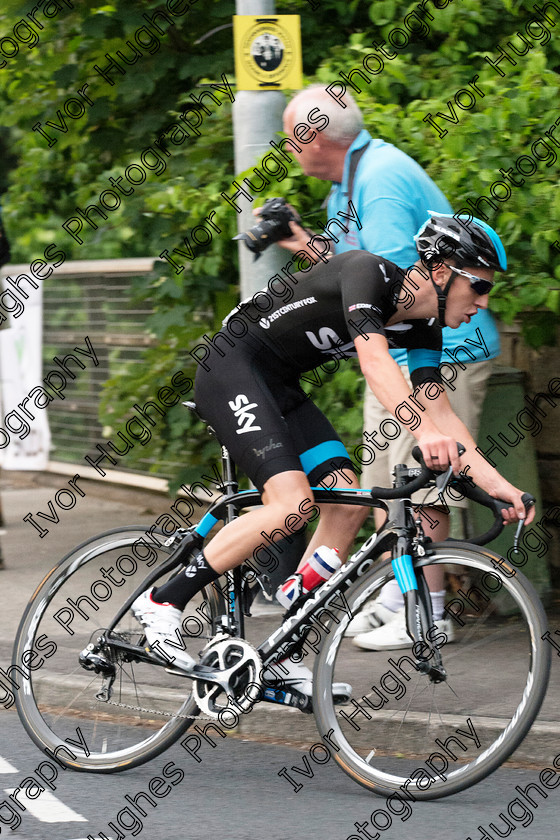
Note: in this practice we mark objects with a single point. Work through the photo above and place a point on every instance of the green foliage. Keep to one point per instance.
(46, 184)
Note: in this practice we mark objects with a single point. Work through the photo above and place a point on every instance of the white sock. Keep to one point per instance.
(391, 596)
(438, 603)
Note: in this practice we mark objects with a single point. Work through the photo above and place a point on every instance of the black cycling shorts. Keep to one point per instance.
(261, 414)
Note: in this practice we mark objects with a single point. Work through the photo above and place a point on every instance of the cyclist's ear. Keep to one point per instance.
(440, 275)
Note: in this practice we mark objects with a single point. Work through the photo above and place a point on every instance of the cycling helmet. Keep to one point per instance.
(466, 240)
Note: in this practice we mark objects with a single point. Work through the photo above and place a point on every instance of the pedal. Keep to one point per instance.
(288, 697)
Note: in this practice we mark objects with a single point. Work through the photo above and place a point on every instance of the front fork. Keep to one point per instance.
(418, 606)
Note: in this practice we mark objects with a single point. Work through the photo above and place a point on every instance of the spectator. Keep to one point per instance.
(392, 196)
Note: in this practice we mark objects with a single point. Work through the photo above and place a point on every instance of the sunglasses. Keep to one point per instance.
(480, 286)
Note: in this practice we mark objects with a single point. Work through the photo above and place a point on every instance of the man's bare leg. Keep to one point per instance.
(338, 524)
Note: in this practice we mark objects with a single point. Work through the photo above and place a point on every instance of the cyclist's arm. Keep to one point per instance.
(385, 378)
(482, 473)
(424, 413)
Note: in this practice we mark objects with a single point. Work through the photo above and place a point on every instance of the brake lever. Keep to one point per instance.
(528, 501)
(520, 525)
(442, 480)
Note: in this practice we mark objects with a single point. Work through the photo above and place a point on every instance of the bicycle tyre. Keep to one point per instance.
(506, 725)
(58, 693)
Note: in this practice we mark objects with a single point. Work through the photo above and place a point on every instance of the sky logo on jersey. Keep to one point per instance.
(242, 408)
(330, 343)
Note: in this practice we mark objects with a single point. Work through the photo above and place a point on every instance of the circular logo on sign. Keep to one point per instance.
(264, 323)
(268, 52)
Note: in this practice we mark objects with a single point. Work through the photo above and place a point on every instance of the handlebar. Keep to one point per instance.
(417, 483)
(462, 483)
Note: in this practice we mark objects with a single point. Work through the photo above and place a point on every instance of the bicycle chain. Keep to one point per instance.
(200, 715)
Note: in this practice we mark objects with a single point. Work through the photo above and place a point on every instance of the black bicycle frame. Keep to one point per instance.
(396, 534)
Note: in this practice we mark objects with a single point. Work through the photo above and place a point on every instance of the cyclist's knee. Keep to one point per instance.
(296, 505)
(347, 515)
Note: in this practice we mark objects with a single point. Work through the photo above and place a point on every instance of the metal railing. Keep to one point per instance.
(91, 298)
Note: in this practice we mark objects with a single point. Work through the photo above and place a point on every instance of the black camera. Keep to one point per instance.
(274, 224)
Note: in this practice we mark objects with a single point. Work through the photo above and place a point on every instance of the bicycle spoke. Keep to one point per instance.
(454, 724)
(147, 707)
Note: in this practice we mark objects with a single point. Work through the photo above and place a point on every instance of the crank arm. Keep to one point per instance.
(218, 676)
(138, 652)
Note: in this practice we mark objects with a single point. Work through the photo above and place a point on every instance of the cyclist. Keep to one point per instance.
(247, 388)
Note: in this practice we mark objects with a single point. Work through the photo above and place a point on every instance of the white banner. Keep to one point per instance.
(24, 440)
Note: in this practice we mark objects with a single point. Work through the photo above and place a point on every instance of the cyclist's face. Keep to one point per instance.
(463, 301)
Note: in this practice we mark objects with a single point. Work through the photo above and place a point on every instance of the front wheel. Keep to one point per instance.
(458, 730)
(60, 703)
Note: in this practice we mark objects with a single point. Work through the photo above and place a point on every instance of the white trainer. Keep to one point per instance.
(393, 635)
(300, 678)
(162, 625)
(373, 614)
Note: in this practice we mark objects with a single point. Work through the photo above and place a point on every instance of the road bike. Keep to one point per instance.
(96, 697)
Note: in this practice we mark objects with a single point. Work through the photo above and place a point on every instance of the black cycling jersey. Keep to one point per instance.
(247, 387)
(355, 293)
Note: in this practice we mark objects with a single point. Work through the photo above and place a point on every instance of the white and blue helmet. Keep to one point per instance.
(469, 241)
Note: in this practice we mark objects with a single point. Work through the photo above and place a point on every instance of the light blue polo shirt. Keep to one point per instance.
(392, 195)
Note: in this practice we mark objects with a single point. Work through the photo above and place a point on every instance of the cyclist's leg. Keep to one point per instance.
(284, 496)
(245, 402)
(338, 524)
(328, 465)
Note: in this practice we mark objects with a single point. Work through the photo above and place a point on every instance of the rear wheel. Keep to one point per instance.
(459, 730)
(61, 704)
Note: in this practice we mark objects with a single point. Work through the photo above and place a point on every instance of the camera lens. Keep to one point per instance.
(273, 225)
(258, 238)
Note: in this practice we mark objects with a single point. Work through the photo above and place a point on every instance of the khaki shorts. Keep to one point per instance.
(466, 400)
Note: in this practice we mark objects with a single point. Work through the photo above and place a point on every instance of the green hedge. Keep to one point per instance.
(506, 117)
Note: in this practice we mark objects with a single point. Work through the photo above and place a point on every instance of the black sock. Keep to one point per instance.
(181, 588)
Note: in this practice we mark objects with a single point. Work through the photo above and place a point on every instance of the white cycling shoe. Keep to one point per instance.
(300, 678)
(162, 625)
(393, 635)
(373, 614)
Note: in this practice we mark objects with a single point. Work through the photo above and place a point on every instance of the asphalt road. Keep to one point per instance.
(235, 793)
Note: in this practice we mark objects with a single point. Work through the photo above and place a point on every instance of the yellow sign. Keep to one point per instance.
(267, 52)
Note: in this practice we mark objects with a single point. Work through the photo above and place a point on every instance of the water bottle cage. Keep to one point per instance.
(301, 596)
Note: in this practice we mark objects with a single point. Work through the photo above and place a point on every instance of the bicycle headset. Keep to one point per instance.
(470, 241)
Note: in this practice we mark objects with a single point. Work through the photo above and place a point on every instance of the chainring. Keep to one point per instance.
(241, 668)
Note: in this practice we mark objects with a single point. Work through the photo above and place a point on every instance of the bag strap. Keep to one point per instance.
(355, 158)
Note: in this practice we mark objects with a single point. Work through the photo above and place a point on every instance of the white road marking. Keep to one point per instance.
(6, 767)
(48, 808)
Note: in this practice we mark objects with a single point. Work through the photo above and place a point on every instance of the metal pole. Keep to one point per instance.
(257, 116)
